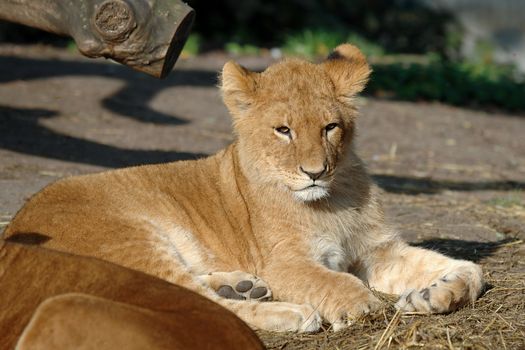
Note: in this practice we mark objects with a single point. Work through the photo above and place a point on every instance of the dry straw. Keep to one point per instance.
(495, 321)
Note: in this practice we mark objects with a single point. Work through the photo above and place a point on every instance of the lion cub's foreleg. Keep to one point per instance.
(339, 297)
(427, 281)
(272, 316)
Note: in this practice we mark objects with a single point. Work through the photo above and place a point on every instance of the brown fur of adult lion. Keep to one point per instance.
(83, 303)
(288, 207)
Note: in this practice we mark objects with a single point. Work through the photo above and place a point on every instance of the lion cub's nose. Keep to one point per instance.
(312, 174)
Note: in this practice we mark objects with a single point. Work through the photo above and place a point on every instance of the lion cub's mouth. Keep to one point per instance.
(311, 192)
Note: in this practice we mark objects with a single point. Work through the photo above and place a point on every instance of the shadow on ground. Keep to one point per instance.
(460, 249)
(132, 100)
(21, 132)
(412, 185)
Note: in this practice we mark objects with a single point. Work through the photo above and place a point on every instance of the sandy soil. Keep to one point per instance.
(453, 178)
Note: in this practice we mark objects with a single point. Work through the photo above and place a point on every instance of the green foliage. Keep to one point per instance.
(312, 43)
(416, 77)
(239, 49)
(406, 26)
(484, 51)
(422, 77)
(463, 83)
(193, 45)
(369, 48)
(71, 46)
(319, 42)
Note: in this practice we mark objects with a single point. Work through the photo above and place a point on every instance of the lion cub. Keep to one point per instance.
(287, 211)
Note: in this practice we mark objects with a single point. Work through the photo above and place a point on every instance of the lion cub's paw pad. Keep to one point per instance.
(243, 292)
(228, 293)
(240, 286)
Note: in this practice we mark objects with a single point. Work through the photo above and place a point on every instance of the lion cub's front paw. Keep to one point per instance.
(457, 288)
(286, 317)
(304, 318)
(351, 309)
(237, 285)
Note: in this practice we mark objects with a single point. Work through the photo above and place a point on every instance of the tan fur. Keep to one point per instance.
(84, 322)
(67, 301)
(249, 208)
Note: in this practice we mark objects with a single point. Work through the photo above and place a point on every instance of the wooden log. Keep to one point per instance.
(147, 35)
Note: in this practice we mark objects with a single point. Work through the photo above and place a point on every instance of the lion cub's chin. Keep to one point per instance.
(311, 194)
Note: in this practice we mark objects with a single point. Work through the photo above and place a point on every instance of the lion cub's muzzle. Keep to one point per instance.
(314, 184)
(314, 173)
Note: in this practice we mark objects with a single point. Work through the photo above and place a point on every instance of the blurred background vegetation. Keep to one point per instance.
(417, 49)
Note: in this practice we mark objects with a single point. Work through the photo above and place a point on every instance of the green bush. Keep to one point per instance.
(239, 49)
(193, 45)
(319, 42)
(421, 77)
(408, 26)
(463, 83)
(312, 43)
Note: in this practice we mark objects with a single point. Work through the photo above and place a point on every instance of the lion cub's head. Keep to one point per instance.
(295, 120)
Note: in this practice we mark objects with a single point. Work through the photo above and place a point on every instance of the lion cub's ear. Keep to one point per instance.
(238, 88)
(349, 71)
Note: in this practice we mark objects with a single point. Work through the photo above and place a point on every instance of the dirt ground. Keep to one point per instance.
(453, 178)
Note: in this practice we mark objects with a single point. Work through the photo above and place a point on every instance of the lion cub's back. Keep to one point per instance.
(75, 211)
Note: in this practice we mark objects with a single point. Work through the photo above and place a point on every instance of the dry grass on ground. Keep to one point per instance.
(495, 321)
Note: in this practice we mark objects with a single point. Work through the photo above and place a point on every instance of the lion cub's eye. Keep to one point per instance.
(283, 130)
(331, 126)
